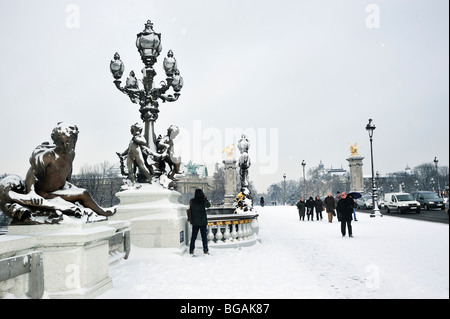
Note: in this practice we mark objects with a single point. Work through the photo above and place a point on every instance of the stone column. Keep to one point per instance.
(230, 182)
(356, 173)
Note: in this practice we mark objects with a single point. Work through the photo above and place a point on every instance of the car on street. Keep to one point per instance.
(3, 230)
(401, 202)
(364, 202)
(428, 199)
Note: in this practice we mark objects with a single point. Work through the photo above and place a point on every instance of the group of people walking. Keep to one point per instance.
(342, 205)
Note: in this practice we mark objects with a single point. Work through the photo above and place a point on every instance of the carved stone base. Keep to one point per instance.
(76, 256)
(157, 219)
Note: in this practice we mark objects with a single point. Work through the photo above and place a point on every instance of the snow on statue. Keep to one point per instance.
(47, 194)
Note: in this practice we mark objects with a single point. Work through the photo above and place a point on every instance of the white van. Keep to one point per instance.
(401, 202)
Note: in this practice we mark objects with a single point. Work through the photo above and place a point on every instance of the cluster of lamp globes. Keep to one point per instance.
(148, 43)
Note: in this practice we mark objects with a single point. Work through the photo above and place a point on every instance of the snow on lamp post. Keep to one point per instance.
(148, 43)
(304, 179)
(437, 175)
(370, 127)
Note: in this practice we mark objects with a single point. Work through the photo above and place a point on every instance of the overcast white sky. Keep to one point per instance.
(302, 77)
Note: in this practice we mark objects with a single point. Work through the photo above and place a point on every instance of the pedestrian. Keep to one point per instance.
(336, 200)
(330, 206)
(318, 206)
(262, 202)
(198, 219)
(301, 208)
(354, 204)
(344, 211)
(310, 203)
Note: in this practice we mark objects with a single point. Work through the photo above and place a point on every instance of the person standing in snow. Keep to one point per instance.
(354, 203)
(318, 206)
(336, 200)
(330, 206)
(199, 220)
(301, 208)
(262, 202)
(345, 211)
(310, 203)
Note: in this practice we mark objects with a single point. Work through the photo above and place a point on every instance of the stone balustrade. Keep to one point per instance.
(232, 230)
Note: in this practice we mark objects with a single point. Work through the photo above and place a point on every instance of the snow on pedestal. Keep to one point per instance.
(157, 218)
(76, 255)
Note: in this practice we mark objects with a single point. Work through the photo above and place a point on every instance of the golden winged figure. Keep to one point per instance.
(228, 151)
(353, 149)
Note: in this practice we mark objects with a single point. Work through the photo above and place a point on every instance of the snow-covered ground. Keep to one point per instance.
(387, 258)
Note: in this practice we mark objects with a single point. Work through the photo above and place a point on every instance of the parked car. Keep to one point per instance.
(3, 230)
(401, 202)
(365, 202)
(428, 199)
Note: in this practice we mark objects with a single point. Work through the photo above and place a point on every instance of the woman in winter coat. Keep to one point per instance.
(198, 219)
(318, 205)
(301, 208)
(344, 210)
(310, 203)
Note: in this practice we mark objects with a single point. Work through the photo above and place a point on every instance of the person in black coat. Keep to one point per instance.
(310, 203)
(318, 206)
(344, 210)
(198, 219)
(301, 208)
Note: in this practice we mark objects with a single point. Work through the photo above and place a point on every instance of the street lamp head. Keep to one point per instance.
(370, 127)
(435, 160)
(303, 163)
(116, 66)
(148, 43)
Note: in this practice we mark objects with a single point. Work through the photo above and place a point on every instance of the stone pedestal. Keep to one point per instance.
(157, 219)
(230, 182)
(356, 173)
(75, 256)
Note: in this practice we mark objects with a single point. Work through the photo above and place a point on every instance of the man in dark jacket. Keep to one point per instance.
(330, 206)
(198, 219)
(344, 210)
(310, 203)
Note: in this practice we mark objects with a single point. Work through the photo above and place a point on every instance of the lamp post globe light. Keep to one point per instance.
(148, 43)
(304, 179)
(370, 127)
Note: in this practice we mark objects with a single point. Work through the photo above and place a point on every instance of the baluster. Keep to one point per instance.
(210, 232)
(219, 233)
(255, 226)
(234, 233)
(241, 229)
(227, 234)
(246, 229)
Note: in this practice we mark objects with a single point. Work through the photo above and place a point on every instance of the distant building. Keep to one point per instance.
(331, 171)
(196, 176)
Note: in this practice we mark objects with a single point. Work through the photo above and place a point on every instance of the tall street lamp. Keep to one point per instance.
(370, 127)
(304, 180)
(147, 95)
(284, 189)
(437, 175)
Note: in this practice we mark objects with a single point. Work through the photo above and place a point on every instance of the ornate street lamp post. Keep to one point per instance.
(148, 43)
(416, 183)
(370, 127)
(432, 182)
(437, 175)
(304, 179)
(284, 189)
